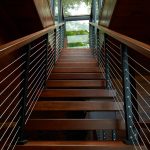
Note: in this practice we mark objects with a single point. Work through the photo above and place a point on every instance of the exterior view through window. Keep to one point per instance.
(77, 31)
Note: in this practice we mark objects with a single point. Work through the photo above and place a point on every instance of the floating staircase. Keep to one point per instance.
(61, 118)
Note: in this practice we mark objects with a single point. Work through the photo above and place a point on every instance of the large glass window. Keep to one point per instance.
(76, 7)
(77, 33)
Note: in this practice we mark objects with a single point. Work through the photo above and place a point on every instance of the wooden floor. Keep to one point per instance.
(60, 119)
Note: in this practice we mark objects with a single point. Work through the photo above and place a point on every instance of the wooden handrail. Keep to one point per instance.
(16, 44)
(138, 46)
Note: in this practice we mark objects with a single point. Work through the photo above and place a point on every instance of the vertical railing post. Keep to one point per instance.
(61, 39)
(63, 35)
(46, 59)
(24, 99)
(98, 47)
(90, 36)
(107, 71)
(93, 40)
(114, 135)
(60, 46)
(55, 45)
(131, 131)
(103, 135)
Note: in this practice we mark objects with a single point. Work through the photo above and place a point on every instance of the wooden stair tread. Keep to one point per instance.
(75, 145)
(77, 106)
(76, 64)
(83, 53)
(78, 93)
(75, 83)
(73, 124)
(76, 53)
(79, 70)
(76, 57)
(77, 60)
(94, 76)
(76, 49)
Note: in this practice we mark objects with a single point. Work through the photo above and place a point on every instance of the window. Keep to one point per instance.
(76, 7)
(77, 33)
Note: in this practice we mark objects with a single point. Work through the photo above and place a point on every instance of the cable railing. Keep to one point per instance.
(127, 70)
(25, 65)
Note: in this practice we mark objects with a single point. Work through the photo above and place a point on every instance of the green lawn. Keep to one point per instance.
(80, 32)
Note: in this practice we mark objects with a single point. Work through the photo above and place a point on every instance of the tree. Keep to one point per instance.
(71, 4)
